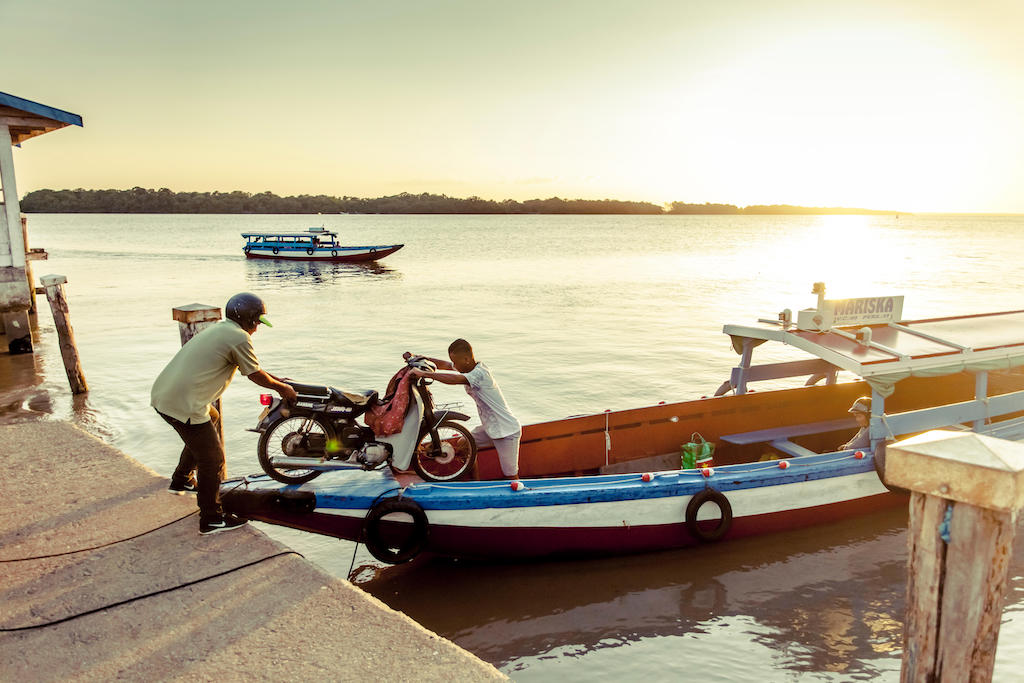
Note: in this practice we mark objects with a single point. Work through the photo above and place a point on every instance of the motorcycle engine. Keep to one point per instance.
(374, 454)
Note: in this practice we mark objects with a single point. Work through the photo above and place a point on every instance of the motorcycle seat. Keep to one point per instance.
(311, 390)
(363, 399)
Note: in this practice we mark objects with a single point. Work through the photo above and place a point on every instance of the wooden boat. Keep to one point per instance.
(316, 244)
(612, 483)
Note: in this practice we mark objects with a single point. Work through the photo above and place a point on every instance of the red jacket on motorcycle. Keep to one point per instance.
(388, 416)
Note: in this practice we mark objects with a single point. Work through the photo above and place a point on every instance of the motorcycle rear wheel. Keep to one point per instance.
(458, 453)
(291, 437)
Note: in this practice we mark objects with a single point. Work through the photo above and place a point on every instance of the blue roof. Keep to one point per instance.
(26, 119)
(66, 117)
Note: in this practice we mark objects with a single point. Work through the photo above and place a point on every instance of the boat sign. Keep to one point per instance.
(876, 310)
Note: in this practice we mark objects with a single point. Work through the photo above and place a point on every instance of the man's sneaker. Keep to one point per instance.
(189, 487)
(225, 523)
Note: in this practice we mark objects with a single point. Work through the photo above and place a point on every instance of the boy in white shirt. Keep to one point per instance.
(500, 428)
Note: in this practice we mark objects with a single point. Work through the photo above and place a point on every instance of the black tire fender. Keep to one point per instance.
(693, 508)
(276, 250)
(334, 252)
(310, 251)
(417, 540)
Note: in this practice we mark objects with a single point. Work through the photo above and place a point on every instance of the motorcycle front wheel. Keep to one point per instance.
(455, 456)
(293, 437)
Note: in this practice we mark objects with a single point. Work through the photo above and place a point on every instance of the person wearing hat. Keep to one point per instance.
(861, 410)
(187, 387)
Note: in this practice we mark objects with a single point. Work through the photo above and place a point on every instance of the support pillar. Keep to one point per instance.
(966, 490)
(11, 206)
(16, 328)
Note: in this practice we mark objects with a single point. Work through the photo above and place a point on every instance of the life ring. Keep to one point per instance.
(276, 250)
(334, 252)
(310, 251)
(724, 524)
(373, 251)
(410, 546)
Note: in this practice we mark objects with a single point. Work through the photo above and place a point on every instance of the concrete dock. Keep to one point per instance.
(229, 606)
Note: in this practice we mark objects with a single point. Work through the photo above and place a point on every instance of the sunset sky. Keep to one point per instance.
(889, 104)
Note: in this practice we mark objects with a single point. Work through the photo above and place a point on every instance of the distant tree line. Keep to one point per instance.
(143, 200)
(762, 209)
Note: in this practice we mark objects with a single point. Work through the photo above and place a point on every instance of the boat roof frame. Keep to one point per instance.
(310, 235)
(952, 353)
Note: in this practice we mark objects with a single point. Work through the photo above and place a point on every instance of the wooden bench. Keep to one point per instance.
(789, 431)
(1012, 429)
(779, 437)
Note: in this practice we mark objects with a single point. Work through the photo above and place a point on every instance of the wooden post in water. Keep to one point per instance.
(54, 285)
(966, 490)
(193, 319)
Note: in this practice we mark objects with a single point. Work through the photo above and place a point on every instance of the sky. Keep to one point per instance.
(886, 104)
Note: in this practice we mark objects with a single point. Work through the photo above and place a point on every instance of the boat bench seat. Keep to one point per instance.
(783, 434)
(1012, 429)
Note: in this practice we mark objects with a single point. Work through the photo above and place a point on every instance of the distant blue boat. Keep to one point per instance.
(316, 244)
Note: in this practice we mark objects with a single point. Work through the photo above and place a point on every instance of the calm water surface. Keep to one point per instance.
(574, 315)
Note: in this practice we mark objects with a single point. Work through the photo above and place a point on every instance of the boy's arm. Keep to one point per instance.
(440, 363)
(442, 377)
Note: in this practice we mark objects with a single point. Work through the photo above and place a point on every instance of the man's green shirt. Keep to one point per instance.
(201, 371)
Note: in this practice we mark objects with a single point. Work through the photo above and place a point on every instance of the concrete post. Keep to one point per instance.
(966, 489)
(57, 297)
(193, 319)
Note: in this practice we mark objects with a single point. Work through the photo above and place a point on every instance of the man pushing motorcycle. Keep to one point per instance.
(499, 428)
(187, 387)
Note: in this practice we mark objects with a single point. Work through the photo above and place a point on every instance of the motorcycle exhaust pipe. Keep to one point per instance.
(315, 464)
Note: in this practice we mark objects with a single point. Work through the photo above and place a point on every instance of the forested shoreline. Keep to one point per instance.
(143, 200)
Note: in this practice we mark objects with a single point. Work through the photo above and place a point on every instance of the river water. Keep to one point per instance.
(574, 314)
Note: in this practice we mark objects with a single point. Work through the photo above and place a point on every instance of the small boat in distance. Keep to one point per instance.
(316, 244)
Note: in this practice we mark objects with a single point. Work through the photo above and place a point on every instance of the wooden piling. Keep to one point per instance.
(30, 256)
(966, 490)
(57, 297)
(193, 319)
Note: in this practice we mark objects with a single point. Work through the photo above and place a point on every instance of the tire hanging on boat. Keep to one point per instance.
(334, 252)
(309, 251)
(692, 510)
(276, 250)
(410, 546)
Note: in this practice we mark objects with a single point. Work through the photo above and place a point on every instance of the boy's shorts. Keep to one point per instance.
(507, 447)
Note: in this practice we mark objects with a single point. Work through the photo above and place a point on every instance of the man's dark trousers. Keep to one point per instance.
(204, 454)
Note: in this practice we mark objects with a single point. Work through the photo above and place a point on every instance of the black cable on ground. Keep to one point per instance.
(120, 540)
(104, 545)
(149, 595)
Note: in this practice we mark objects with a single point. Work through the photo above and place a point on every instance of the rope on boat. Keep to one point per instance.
(607, 439)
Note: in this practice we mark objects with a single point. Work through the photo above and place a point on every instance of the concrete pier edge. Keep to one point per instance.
(278, 617)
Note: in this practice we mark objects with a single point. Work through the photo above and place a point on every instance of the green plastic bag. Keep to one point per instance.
(697, 452)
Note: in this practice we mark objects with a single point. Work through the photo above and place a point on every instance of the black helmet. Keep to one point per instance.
(246, 309)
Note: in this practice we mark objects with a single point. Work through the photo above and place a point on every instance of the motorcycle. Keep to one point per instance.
(319, 433)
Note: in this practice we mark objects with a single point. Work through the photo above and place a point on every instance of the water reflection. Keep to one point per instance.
(313, 273)
(838, 593)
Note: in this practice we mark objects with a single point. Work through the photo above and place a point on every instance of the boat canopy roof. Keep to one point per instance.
(883, 354)
(310, 234)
